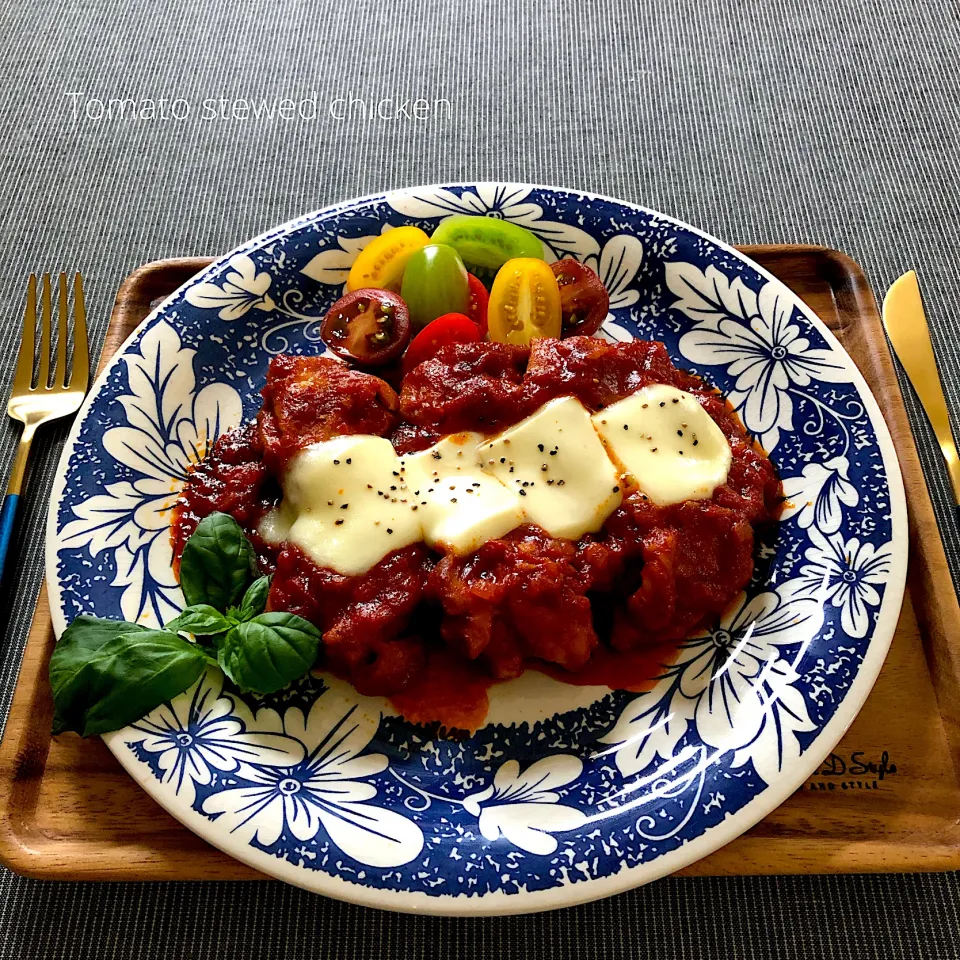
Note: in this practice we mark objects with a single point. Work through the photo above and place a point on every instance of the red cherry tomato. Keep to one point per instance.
(450, 328)
(477, 305)
(584, 301)
(369, 327)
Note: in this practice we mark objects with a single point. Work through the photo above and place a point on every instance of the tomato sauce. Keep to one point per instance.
(449, 691)
(434, 632)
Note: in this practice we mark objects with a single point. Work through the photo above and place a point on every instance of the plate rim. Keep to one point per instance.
(498, 903)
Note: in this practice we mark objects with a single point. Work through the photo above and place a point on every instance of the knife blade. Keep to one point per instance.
(906, 326)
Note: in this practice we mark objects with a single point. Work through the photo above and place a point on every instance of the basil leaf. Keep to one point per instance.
(217, 562)
(201, 620)
(255, 599)
(268, 652)
(82, 638)
(101, 683)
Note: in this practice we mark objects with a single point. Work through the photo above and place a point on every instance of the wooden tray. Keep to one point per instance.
(887, 799)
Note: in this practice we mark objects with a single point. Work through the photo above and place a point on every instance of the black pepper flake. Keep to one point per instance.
(475, 484)
(653, 450)
(337, 462)
(551, 482)
(393, 488)
(453, 499)
(626, 427)
(523, 493)
(414, 507)
(525, 484)
(369, 486)
(676, 400)
(511, 469)
(437, 455)
(679, 433)
(540, 447)
(503, 459)
(343, 506)
(394, 472)
(389, 530)
(553, 453)
(430, 490)
(680, 453)
(338, 522)
(616, 489)
(329, 503)
(663, 403)
(560, 483)
(695, 442)
(349, 459)
(543, 469)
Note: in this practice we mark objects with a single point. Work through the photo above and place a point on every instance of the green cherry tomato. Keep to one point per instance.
(434, 283)
(487, 243)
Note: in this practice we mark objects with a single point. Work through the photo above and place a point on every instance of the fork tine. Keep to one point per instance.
(43, 373)
(23, 378)
(60, 370)
(80, 372)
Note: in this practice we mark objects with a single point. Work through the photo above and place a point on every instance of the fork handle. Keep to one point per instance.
(8, 516)
(8, 512)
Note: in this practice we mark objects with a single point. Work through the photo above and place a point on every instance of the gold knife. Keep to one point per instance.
(906, 326)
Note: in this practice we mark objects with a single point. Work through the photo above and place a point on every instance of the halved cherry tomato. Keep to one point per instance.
(487, 242)
(369, 327)
(477, 306)
(584, 301)
(434, 283)
(524, 303)
(382, 261)
(450, 328)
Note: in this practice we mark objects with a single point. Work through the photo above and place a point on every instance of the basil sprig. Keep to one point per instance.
(106, 674)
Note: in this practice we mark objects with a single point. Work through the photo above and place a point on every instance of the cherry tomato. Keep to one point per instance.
(486, 242)
(382, 261)
(584, 301)
(524, 303)
(477, 307)
(450, 328)
(369, 327)
(434, 283)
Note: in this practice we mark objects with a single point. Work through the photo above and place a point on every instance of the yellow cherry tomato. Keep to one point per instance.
(524, 302)
(382, 261)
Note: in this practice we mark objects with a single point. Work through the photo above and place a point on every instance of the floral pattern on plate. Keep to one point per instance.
(330, 790)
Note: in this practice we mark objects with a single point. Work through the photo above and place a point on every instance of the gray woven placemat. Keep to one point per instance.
(834, 122)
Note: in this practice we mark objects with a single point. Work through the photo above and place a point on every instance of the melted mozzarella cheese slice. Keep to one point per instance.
(556, 463)
(667, 442)
(460, 506)
(345, 504)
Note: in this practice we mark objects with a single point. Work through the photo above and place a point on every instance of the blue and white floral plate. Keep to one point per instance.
(568, 793)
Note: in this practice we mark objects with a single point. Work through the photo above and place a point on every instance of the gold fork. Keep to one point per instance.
(49, 399)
